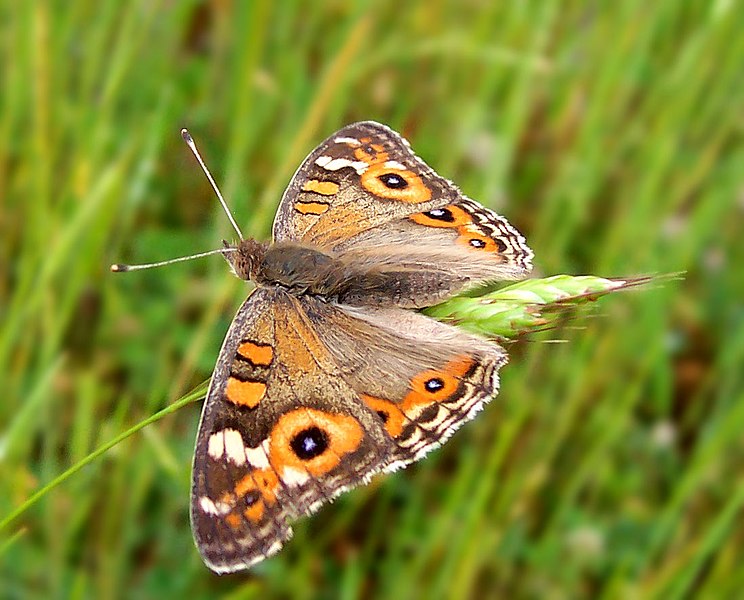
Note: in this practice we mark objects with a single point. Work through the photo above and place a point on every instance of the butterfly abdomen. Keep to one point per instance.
(299, 269)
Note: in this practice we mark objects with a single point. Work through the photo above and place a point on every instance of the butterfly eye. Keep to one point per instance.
(393, 181)
(309, 443)
(434, 384)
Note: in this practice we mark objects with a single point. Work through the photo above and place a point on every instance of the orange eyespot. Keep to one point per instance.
(233, 520)
(394, 181)
(263, 481)
(476, 241)
(312, 440)
(257, 489)
(390, 182)
(255, 512)
(392, 416)
(469, 234)
(448, 216)
(371, 154)
(395, 184)
(437, 385)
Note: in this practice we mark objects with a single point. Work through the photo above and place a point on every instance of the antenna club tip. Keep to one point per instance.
(116, 268)
(186, 136)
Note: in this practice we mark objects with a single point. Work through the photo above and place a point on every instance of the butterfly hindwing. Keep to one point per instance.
(423, 378)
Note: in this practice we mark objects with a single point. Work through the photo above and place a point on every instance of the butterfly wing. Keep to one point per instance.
(281, 432)
(365, 195)
(422, 378)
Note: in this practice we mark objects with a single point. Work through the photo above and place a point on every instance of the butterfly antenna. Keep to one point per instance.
(119, 268)
(190, 141)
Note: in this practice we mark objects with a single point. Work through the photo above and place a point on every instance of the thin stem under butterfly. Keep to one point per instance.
(120, 268)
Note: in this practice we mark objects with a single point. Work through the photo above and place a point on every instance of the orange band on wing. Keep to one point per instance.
(311, 208)
(245, 393)
(234, 520)
(258, 354)
(324, 188)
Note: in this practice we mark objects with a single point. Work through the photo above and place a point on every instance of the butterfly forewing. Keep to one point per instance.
(281, 433)
(364, 188)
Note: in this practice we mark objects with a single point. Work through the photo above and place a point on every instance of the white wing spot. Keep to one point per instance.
(213, 508)
(394, 164)
(257, 457)
(334, 164)
(348, 140)
(216, 447)
(234, 446)
(274, 548)
(294, 477)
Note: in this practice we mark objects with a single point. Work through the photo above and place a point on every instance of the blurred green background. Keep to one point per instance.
(610, 466)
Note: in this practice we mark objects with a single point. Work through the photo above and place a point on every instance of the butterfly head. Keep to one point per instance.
(246, 257)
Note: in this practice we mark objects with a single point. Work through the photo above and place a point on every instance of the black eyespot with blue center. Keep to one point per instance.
(434, 384)
(477, 243)
(441, 214)
(251, 498)
(393, 181)
(309, 443)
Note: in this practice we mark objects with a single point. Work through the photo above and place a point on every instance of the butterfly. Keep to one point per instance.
(328, 374)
